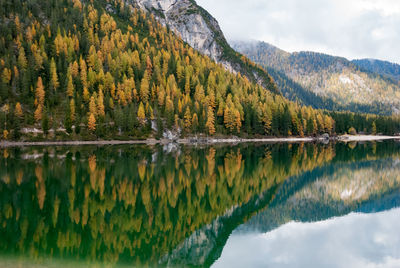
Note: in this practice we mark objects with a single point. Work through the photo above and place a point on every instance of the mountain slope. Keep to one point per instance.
(325, 81)
(202, 32)
(335, 190)
(90, 70)
(384, 68)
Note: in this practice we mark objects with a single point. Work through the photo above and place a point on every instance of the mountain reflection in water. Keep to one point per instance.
(149, 206)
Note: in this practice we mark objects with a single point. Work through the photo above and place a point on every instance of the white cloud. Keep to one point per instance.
(354, 29)
(355, 240)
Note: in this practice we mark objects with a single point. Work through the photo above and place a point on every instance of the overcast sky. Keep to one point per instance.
(349, 28)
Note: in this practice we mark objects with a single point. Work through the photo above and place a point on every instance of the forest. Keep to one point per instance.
(328, 82)
(73, 70)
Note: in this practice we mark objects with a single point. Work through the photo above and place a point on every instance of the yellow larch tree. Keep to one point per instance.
(38, 113)
(210, 124)
(18, 110)
(238, 121)
(144, 88)
(93, 106)
(141, 114)
(70, 86)
(72, 109)
(188, 119)
(54, 84)
(92, 122)
(195, 122)
(100, 104)
(40, 93)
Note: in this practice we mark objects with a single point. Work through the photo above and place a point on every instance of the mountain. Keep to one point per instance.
(384, 68)
(345, 180)
(319, 195)
(106, 70)
(202, 32)
(356, 179)
(325, 81)
(77, 70)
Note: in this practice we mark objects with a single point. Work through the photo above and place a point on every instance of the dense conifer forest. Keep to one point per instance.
(74, 69)
(328, 82)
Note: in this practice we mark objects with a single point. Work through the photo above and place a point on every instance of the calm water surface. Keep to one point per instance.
(281, 205)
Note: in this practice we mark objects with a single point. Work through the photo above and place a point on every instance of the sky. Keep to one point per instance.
(354, 240)
(350, 28)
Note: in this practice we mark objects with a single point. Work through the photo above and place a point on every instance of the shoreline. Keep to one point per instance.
(186, 141)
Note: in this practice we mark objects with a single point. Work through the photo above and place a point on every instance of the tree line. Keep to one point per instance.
(87, 70)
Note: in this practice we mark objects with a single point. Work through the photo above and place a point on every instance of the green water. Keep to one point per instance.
(178, 205)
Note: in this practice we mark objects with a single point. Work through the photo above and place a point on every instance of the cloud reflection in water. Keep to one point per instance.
(355, 240)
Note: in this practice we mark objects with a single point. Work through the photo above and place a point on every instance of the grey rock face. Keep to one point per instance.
(186, 19)
(202, 32)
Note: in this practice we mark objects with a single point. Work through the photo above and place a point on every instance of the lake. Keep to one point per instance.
(246, 205)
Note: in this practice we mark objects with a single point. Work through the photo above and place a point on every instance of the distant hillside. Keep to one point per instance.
(330, 82)
(337, 189)
(384, 68)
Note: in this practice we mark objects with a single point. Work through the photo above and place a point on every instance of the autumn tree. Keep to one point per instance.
(188, 120)
(93, 106)
(18, 110)
(210, 124)
(72, 110)
(144, 88)
(39, 100)
(40, 93)
(141, 114)
(54, 84)
(100, 104)
(70, 86)
(92, 122)
(38, 113)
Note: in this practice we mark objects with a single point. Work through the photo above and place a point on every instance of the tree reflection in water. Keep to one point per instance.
(140, 205)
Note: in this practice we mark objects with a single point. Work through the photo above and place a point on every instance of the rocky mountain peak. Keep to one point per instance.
(186, 19)
(202, 32)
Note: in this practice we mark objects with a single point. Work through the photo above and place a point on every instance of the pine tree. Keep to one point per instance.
(83, 69)
(210, 124)
(100, 104)
(238, 121)
(18, 110)
(38, 113)
(70, 86)
(267, 120)
(72, 110)
(229, 119)
(68, 123)
(93, 106)
(195, 123)
(5, 134)
(188, 120)
(22, 62)
(373, 128)
(86, 94)
(45, 123)
(141, 114)
(144, 88)
(40, 93)
(53, 76)
(169, 110)
(92, 122)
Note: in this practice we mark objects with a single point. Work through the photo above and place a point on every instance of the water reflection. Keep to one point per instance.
(141, 205)
(355, 240)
